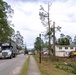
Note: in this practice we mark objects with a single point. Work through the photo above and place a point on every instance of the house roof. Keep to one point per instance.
(65, 45)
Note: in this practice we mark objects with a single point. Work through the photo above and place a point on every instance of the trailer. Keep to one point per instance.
(8, 50)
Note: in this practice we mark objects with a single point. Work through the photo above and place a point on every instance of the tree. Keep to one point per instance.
(19, 40)
(5, 12)
(12, 36)
(37, 43)
(45, 19)
(44, 45)
(62, 35)
(25, 50)
(69, 38)
(74, 41)
(64, 40)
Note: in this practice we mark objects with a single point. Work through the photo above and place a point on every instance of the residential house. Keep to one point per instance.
(64, 50)
(45, 51)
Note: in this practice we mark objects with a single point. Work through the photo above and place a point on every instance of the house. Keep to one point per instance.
(64, 50)
(45, 51)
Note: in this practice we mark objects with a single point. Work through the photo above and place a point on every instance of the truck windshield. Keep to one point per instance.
(5, 48)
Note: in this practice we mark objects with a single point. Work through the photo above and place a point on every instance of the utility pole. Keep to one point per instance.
(54, 37)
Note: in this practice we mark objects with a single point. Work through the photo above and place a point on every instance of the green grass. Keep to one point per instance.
(25, 67)
(50, 66)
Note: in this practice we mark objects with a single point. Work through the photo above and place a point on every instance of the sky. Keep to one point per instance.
(26, 17)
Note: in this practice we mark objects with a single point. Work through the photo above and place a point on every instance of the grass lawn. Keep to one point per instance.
(25, 67)
(48, 66)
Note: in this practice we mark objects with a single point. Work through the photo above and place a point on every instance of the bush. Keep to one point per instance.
(57, 66)
(55, 59)
(74, 69)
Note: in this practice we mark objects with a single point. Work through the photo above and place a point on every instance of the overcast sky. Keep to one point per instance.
(26, 17)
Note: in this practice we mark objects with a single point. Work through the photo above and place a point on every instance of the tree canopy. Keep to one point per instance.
(64, 40)
(5, 29)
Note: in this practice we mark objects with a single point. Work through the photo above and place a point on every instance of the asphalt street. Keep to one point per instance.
(12, 66)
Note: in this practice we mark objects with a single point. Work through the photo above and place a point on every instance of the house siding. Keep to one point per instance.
(62, 52)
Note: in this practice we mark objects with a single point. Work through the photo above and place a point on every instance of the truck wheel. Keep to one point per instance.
(11, 57)
(14, 55)
(4, 57)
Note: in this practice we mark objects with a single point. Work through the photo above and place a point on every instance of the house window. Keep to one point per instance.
(60, 47)
(71, 47)
(66, 47)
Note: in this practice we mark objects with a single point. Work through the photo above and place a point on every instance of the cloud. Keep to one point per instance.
(34, 1)
(26, 17)
(26, 20)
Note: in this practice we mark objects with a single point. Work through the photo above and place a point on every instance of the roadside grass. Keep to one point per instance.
(57, 66)
(25, 67)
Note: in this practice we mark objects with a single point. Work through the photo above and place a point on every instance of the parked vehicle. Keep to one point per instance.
(8, 49)
(25, 52)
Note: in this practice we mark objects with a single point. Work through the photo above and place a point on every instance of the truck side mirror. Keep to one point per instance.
(0, 49)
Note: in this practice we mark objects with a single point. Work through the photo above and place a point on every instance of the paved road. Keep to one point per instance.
(12, 66)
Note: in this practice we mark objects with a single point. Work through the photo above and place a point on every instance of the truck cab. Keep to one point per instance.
(7, 50)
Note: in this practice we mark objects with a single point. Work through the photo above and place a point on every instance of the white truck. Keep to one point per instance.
(8, 49)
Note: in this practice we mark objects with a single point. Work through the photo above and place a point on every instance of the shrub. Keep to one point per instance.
(57, 66)
(74, 69)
